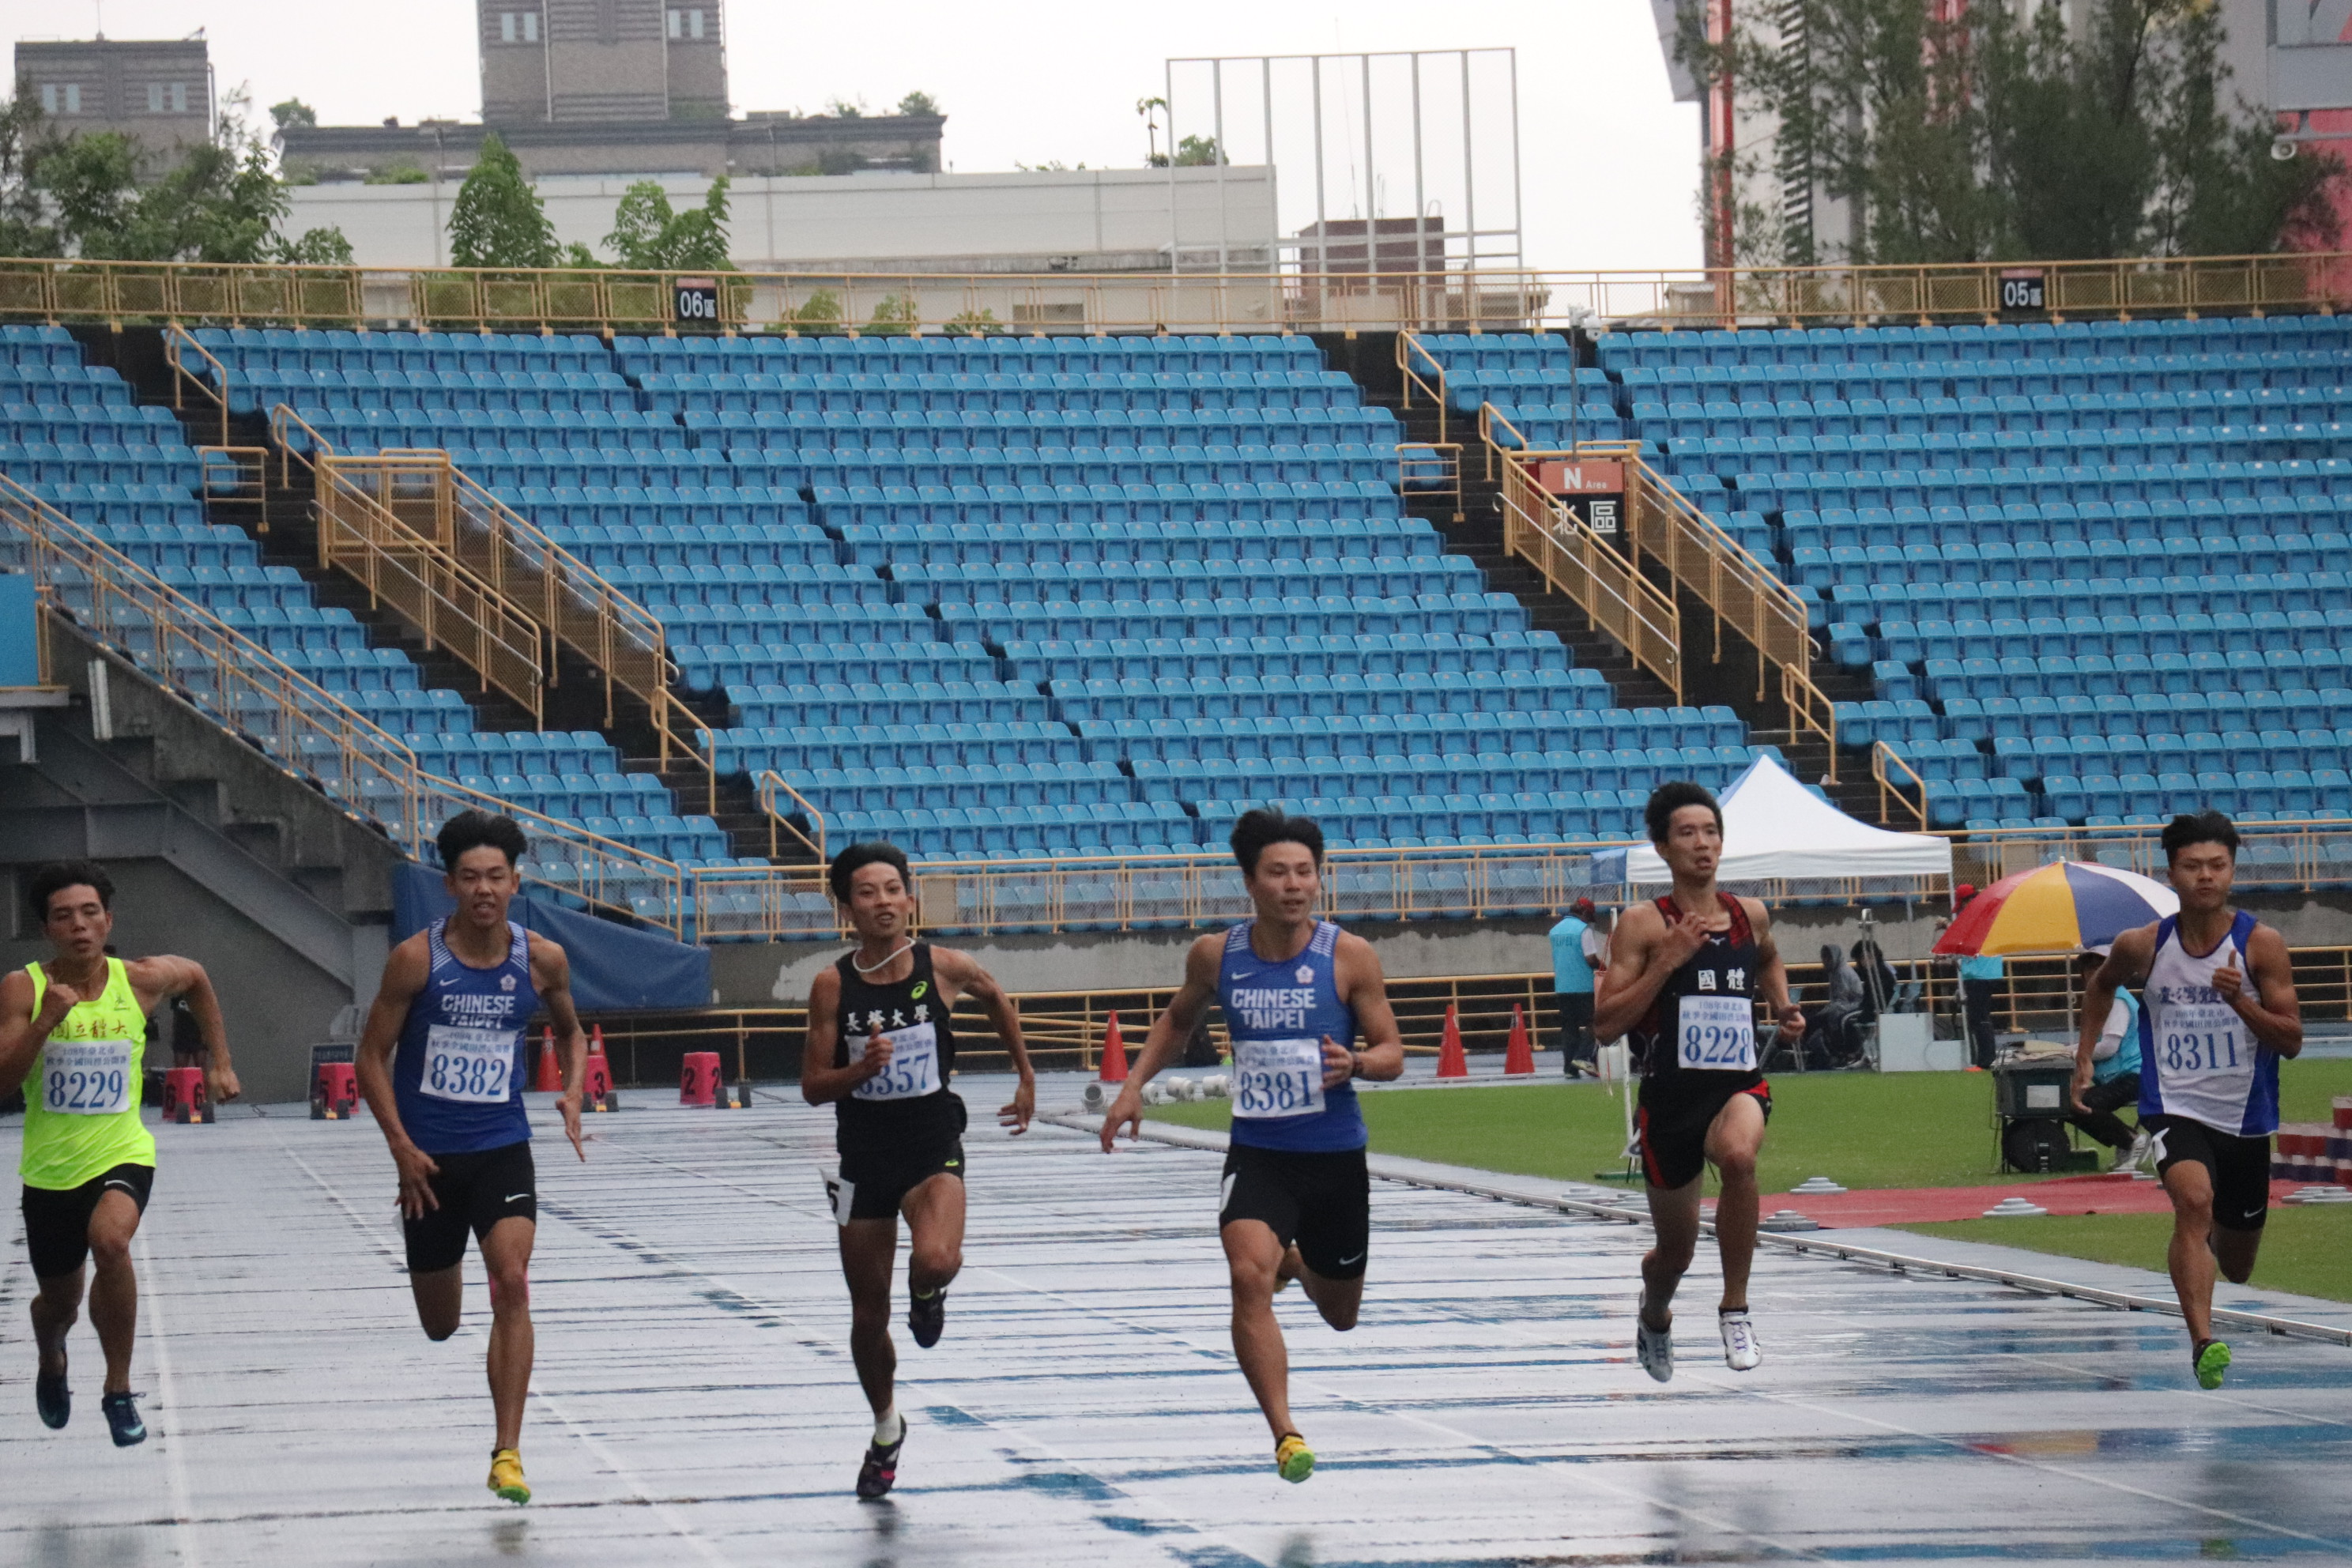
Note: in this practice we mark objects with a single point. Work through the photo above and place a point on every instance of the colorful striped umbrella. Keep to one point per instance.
(2064, 906)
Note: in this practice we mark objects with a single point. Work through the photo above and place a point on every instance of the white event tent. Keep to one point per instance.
(1774, 828)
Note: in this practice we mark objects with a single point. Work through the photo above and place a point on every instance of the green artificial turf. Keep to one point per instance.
(2305, 1250)
(1863, 1129)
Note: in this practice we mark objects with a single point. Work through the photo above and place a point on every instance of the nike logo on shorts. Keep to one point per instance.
(2258, 1212)
(511, 1197)
(1345, 1261)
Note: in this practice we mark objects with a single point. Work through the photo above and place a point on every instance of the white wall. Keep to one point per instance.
(814, 222)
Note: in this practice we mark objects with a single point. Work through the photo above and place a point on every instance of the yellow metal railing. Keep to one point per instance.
(1581, 565)
(237, 475)
(189, 360)
(1460, 299)
(360, 534)
(307, 730)
(770, 785)
(1884, 762)
(1431, 471)
(1417, 367)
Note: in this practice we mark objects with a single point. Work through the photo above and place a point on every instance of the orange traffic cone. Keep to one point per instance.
(550, 1074)
(1519, 1055)
(1114, 1055)
(1451, 1062)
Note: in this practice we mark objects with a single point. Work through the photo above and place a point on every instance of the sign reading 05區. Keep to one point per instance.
(696, 300)
(1592, 489)
(2022, 291)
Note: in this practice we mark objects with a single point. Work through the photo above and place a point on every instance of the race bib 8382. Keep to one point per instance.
(473, 1067)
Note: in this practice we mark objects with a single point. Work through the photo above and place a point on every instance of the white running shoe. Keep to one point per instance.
(1655, 1347)
(1740, 1351)
(2139, 1149)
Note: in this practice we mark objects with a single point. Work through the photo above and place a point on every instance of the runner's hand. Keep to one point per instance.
(877, 1056)
(1792, 1022)
(60, 999)
(221, 1085)
(2074, 1091)
(1684, 936)
(416, 1172)
(1339, 1064)
(1024, 1106)
(1125, 1110)
(2228, 981)
(569, 1104)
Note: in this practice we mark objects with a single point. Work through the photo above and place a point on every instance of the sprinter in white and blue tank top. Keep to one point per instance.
(2218, 1011)
(1308, 1014)
(443, 1061)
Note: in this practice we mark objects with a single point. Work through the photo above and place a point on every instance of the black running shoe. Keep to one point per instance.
(53, 1399)
(122, 1420)
(880, 1469)
(927, 1316)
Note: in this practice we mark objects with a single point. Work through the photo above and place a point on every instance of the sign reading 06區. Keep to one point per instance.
(696, 300)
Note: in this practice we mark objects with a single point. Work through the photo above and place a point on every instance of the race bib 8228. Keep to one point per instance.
(1715, 1034)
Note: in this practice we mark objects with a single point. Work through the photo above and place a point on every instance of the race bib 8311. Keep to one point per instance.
(1278, 1078)
(1715, 1034)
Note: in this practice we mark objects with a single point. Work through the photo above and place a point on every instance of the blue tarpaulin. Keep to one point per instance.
(613, 967)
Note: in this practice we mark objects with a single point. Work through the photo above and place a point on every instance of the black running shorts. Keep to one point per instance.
(476, 1190)
(1673, 1124)
(56, 1223)
(1322, 1201)
(874, 1183)
(2239, 1168)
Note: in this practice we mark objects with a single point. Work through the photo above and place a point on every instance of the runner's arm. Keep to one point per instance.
(2127, 964)
(404, 973)
(1166, 1036)
(1633, 980)
(2269, 1006)
(550, 977)
(1366, 991)
(961, 976)
(821, 1081)
(1772, 974)
(22, 1034)
(164, 977)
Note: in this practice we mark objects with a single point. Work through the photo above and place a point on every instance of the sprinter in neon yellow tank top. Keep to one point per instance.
(72, 1031)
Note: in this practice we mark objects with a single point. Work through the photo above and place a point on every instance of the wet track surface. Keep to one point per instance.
(694, 1400)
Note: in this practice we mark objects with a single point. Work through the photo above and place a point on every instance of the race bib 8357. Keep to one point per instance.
(913, 1069)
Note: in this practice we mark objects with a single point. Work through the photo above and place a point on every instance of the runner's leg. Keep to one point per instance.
(934, 1211)
(2233, 1252)
(1733, 1140)
(114, 1286)
(2191, 1257)
(55, 1305)
(506, 1257)
(1253, 1254)
(870, 1250)
(1673, 1221)
(1339, 1300)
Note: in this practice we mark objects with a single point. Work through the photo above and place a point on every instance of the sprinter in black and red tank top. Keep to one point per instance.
(1685, 974)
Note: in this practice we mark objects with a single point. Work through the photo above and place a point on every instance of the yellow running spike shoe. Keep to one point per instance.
(1293, 1459)
(506, 1476)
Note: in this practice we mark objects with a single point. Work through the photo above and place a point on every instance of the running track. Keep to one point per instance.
(695, 1402)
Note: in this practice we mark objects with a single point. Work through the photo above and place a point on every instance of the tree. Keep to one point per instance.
(294, 112)
(648, 237)
(497, 220)
(918, 103)
(1192, 151)
(26, 228)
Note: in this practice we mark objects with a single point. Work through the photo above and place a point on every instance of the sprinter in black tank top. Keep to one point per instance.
(1684, 976)
(881, 1050)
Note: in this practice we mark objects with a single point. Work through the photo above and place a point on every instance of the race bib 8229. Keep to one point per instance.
(86, 1078)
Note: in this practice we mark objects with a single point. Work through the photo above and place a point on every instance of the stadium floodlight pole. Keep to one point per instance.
(1322, 219)
(1218, 159)
(1469, 182)
(1419, 201)
(1371, 186)
(1175, 236)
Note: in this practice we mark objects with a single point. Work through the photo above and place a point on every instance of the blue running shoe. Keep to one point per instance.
(54, 1400)
(122, 1420)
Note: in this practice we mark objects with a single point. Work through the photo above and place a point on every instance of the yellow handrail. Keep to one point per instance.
(82, 288)
(1882, 756)
(1409, 348)
(177, 342)
(246, 482)
(1422, 462)
(1581, 566)
(310, 731)
(360, 531)
(769, 783)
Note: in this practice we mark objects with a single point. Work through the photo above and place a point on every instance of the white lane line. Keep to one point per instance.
(159, 1339)
(628, 1478)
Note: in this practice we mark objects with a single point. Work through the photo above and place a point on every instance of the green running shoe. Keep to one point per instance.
(2212, 1363)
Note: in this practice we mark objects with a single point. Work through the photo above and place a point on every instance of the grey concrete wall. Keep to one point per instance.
(276, 1005)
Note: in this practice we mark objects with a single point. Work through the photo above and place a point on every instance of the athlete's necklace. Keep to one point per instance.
(886, 961)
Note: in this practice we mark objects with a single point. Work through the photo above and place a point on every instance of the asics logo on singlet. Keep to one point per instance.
(1272, 1007)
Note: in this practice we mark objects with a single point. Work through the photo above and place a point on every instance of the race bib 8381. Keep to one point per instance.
(1278, 1078)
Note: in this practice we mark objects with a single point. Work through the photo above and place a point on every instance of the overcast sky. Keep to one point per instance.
(1609, 160)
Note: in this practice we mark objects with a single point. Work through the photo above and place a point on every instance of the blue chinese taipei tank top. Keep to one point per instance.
(2197, 1058)
(457, 1076)
(1271, 1005)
